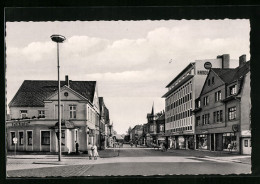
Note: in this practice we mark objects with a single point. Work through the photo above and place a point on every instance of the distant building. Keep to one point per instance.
(34, 115)
(223, 110)
(180, 98)
(136, 134)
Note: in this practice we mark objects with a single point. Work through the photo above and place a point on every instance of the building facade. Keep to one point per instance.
(180, 98)
(137, 134)
(223, 110)
(34, 116)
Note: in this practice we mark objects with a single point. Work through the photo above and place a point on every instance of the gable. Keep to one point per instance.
(217, 82)
(96, 101)
(66, 94)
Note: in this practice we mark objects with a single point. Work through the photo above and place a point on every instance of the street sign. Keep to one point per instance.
(15, 140)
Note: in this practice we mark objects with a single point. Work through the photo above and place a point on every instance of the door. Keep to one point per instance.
(246, 144)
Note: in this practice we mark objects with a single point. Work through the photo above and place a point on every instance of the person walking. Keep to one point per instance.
(89, 148)
(95, 152)
(77, 147)
(229, 147)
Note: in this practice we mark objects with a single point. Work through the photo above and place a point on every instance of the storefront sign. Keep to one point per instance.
(25, 123)
(202, 72)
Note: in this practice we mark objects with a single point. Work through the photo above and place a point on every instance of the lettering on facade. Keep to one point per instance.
(26, 123)
(202, 72)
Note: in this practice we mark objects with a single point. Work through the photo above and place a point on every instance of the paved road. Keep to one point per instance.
(133, 161)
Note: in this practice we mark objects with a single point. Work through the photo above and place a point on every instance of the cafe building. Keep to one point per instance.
(34, 116)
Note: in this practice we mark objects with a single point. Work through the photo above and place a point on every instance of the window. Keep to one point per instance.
(151, 128)
(232, 113)
(208, 82)
(161, 128)
(220, 116)
(205, 119)
(214, 117)
(73, 111)
(29, 138)
(45, 137)
(198, 121)
(206, 100)
(20, 138)
(217, 96)
(246, 143)
(23, 113)
(213, 80)
(12, 137)
(233, 90)
(41, 114)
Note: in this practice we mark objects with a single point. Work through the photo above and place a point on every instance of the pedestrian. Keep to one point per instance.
(89, 148)
(166, 146)
(229, 148)
(131, 144)
(95, 152)
(77, 147)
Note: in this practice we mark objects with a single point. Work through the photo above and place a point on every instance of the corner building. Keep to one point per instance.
(34, 116)
(180, 101)
(223, 110)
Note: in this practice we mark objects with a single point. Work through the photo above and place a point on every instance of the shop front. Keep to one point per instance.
(202, 142)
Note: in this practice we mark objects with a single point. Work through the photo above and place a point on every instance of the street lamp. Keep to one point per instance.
(58, 39)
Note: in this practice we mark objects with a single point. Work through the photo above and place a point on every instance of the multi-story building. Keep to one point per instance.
(103, 123)
(151, 128)
(180, 98)
(34, 115)
(136, 134)
(223, 110)
(160, 128)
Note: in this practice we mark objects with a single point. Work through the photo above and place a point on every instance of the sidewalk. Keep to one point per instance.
(107, 153)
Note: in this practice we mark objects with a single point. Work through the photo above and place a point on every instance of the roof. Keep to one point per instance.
(119, 137)
(232, 74)
(137, 127)
(32, 93)
(162, 117)
(182, 72)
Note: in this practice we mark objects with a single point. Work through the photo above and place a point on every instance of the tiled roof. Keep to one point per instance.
(230, 75)
(32, 93)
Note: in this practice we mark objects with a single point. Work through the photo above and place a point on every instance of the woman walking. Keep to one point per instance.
(95, 152)
(90, 154)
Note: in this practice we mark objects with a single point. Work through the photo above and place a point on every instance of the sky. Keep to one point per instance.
(130, 60)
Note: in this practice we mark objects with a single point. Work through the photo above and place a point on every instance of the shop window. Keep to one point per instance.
(23, 113)
(45, 137)
(246, 143)
(12, 137)
(73, 109)
(29, 138)
(232, 113)
(20, 138)
(229, 138)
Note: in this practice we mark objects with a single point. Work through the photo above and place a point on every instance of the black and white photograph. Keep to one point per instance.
(128, 98)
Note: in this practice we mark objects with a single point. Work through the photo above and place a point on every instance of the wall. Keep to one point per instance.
(32, 111)
(246, 105)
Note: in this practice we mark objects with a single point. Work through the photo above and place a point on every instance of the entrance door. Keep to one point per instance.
(212, 142)
(246, 145)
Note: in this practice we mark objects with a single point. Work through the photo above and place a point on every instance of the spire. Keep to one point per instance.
(152, 109)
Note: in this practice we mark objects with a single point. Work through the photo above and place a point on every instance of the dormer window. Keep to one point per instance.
(208, 82)
(213, 80)
(233, 90)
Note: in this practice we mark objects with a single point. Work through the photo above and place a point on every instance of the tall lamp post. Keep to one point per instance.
(58, 39)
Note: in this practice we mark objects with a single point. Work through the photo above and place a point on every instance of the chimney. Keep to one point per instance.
(225, 60)
(242, 60)
(67, 82)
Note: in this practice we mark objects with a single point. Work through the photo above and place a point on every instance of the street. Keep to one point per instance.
(131, 161)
